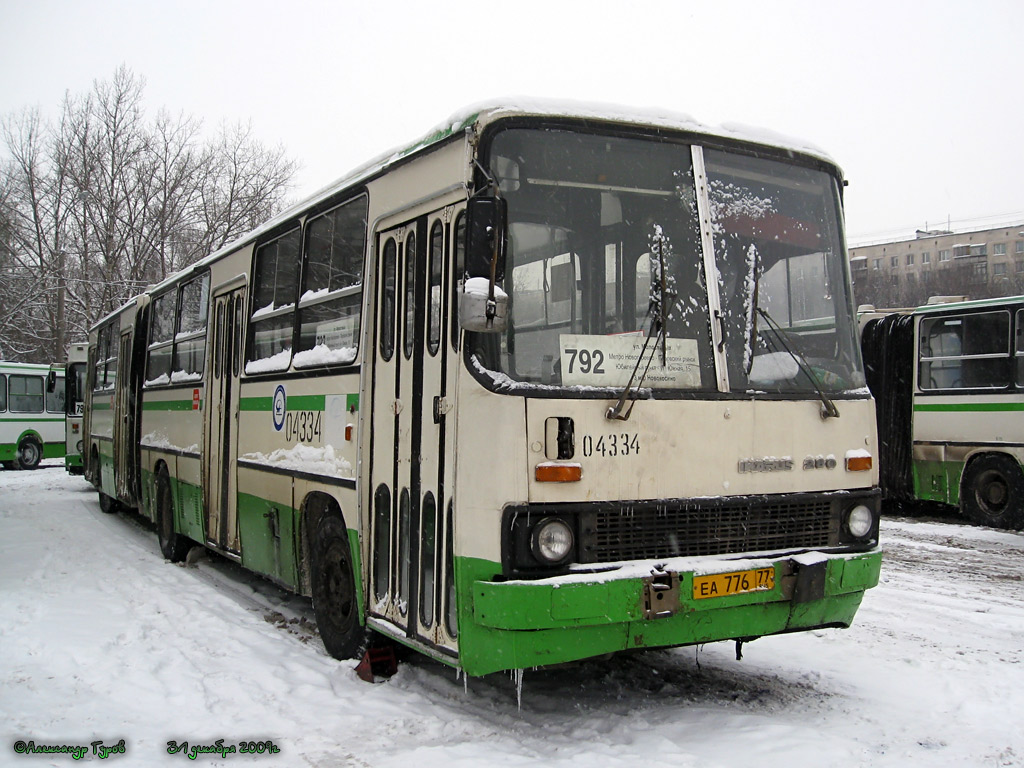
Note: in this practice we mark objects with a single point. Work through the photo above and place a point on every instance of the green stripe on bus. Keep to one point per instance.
(295, 403)
(255, 403)
(307, 402)
(37, 420)
(967, 407)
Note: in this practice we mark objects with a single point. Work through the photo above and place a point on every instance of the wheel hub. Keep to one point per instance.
(993, 491)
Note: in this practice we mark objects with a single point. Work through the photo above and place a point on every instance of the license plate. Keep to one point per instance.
(736, 583)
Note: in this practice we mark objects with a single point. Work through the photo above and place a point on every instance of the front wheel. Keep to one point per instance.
(30, 453)
(173, 545)
(334, 590)
(993, 492)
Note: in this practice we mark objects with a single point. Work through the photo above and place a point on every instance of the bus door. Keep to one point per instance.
(221, 431)
(124, 424)
(411, 452)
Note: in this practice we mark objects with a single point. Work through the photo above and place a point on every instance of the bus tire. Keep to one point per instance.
(992, 492)
(109, 504)
(173, 545)
(334, 590)
(30, 453)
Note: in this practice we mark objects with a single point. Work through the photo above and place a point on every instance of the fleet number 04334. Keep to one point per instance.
(611, 446)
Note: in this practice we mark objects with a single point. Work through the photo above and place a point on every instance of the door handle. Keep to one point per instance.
(441, 408)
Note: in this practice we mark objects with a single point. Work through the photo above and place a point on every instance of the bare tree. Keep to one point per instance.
(106, 201)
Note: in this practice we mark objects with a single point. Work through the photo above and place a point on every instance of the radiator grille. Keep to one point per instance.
(654, 531)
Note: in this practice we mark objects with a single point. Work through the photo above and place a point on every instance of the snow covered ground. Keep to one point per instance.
(102, 640)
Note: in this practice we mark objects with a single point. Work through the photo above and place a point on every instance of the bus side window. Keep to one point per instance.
(387, 302)
(409, 306)
(275, 291)
(458, 275)
(329, 307)
(434, 288)
(966, 351)
(1019, 348)
(158, 364)
(100, 359)
(190, 340)
(3, 392)
(55, 399)
(26, 394)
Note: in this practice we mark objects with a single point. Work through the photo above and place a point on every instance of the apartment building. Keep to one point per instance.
(977, 263)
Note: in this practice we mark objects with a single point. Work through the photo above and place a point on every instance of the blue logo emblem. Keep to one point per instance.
(280, 407)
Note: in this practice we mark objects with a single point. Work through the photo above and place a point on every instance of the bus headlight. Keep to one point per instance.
(859, 521)
(552, 541)
(79, 447)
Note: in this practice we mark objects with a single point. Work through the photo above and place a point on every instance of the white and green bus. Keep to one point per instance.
(550, 383)
(949, 380)
(31, 415)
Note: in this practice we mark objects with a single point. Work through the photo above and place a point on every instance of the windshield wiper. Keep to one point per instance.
(658, 330)
(753, 284)
(616, 411)
(828, 407)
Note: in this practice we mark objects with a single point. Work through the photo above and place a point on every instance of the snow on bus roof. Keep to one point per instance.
(483, 113)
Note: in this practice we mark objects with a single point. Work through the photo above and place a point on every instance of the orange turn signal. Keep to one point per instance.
(558, 473)
(858, 463)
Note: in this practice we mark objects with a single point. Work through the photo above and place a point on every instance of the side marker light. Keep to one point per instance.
(858, 462)
(550, 472)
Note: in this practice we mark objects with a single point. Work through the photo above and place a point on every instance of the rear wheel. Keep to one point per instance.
(30, 453)
(173, 545)
(109, 504)
(993, 492)
(334, 590)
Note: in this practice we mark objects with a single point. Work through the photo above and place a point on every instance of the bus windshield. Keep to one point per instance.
(606, 273)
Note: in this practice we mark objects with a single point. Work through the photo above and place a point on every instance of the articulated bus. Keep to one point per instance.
(949, 381)
(31, 415)
(547, 384)
(75, 375)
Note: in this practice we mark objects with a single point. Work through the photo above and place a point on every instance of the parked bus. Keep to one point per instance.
(31, 415)
(949, 380)
(481, 396)
(75, 375)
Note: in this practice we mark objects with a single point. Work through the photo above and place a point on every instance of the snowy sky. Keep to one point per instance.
(919, 102)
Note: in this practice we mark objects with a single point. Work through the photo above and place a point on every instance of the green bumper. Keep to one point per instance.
(520, 624)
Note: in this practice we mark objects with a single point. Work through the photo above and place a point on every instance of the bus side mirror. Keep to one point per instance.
(486, 219)
(483, 307)
(51, 381)
(481, 312)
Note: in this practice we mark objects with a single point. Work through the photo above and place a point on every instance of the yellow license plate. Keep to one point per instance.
(736, 583)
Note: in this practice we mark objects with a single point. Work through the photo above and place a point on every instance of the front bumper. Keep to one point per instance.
(519, 624)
